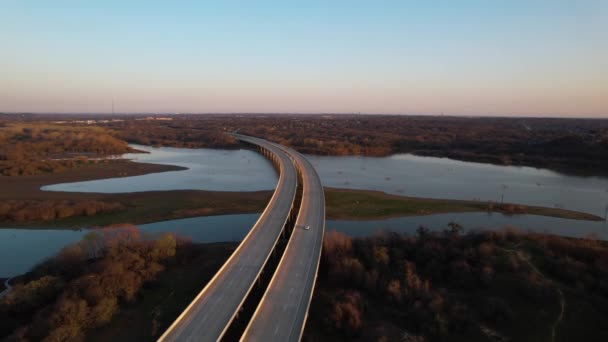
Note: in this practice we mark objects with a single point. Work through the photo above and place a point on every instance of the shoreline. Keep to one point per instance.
(419, 206)
(553, 165)
(28, 187)
(342, 204)
(157, 206)
(556, 165)
(163, 299)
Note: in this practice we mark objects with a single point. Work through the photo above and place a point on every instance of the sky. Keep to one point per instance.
(484, 57)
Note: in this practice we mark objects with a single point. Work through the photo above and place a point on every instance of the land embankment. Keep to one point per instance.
(28, 187)
(35, 153)
(346, 204)
(23, 204)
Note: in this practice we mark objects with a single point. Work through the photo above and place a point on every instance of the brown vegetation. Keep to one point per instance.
(37, 207)
(21, 211)
(84, 285)
(446, 286)
(490, 285)
(347, 204)
(160, 302)
(183, 133)
(570, 144)
(574, 145)
(33, 148)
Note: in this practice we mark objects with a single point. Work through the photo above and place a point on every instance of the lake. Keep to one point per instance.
(21, 249)
(410, 175)
(208, 169)
(245, 170)
(403, 174)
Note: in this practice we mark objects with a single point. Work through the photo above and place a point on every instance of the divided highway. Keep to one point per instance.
(281, 314)
(209, 315)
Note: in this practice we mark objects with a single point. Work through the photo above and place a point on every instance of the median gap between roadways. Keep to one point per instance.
(239, 324)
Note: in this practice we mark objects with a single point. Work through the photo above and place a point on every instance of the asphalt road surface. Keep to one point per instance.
(210, 314)
(282, 312)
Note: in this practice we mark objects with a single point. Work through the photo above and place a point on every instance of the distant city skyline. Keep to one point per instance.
(497, 58)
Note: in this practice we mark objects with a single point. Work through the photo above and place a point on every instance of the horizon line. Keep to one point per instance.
(530, 116)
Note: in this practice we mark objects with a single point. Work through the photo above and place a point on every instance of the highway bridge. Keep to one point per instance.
(281, 314)
(299, 218)
(210, 314)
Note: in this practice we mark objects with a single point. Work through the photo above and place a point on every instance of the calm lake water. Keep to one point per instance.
(21, 249)
(416, 176)
(403, 174)
(245, 170)
(208, 169)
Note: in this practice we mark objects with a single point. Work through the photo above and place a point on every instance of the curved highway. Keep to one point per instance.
(209, 315)
(282, 311)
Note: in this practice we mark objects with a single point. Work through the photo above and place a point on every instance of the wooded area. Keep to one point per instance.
(84, 285)
(572, 145)
(448, 286)
(576, 145)
(21, 211)
(33, 148)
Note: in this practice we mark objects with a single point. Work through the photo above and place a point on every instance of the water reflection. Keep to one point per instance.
(416, 176)
(404, 174)
(208, 169)
(244, 170)
(20, 249)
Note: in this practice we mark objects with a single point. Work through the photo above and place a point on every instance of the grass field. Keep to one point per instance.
(147, 207)
(364, 204)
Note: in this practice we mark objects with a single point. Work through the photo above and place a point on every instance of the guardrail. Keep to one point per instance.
(184, 327)
(307, 192)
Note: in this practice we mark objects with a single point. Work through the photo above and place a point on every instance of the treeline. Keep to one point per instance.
(84, 285)
(181, 134)
(578, 145)
(21, 211)
(33, 148)
(448, 286)
(559, 143)
(574, 144)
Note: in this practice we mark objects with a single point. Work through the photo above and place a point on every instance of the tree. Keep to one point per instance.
(68, 320)
(346, 313)
(102, 312)
(164, 247)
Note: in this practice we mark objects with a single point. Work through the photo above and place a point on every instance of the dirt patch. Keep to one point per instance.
(28, 187)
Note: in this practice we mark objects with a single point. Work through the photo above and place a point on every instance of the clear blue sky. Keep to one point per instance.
(492, 57)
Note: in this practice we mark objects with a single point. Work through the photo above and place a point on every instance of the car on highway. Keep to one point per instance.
(307, 227)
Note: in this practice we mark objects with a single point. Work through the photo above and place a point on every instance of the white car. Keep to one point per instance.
(307, 227)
